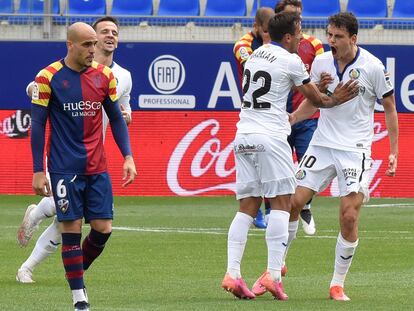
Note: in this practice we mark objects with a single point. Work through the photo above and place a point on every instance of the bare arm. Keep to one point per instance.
(391, 120)
(303, 112)
(324, 81)
(342, 93)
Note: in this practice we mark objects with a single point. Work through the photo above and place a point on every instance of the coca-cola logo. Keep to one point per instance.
(205, 135)
(16, 125)
(212, 149)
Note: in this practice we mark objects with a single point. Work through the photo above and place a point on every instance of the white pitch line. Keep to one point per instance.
(363, 237)
(224, 231)
(214, 231)
(391, 205)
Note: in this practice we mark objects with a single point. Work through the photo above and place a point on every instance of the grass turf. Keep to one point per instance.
(169, 253)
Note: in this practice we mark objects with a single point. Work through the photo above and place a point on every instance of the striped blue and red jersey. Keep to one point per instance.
(308, 48)
(243, 49)
(73, 103)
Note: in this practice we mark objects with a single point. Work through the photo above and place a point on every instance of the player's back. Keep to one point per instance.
(269, 74)
(74, 101)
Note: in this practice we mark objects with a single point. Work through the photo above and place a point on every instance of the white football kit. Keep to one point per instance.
(341, 144)
(264, 165)
(123, 90)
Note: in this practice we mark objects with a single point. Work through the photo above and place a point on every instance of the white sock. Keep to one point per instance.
(45, 209)
(236, 243)
(78, 295)
(276, 240)
(343, 258)
(46, 245)
(292, 230)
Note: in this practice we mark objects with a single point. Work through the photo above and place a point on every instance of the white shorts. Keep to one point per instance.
(320, 165)
(264, 166)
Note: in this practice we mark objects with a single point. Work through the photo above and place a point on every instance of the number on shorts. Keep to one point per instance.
(61, 189)
(307, 161)
(267, 79)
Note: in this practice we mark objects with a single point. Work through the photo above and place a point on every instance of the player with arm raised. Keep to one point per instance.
(341, 144)
(242, 50)
(301, 134)
(264, 165)
(107, 29)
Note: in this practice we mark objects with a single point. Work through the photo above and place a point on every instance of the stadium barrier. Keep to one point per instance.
(185, 100)
(188, 153)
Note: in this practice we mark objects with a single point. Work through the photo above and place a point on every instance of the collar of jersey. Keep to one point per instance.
(277, 44)
(341, 75)
(64, 65)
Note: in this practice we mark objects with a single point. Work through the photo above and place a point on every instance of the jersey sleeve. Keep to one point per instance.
(242, 51)
(381, 81)
(318, 46)
(124, 98)
(41, 88)
(118, 125)
(41, 93)
(297, 71)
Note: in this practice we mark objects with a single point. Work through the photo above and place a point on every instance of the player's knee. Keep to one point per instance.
(349, 218)
(296, 204)
(99, 239)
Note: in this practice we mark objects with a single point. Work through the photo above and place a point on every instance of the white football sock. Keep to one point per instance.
(344, 253)
(46, 245)
(78, 295)
(276, 240)
(292, 230)
(45, 209)
(236, 243)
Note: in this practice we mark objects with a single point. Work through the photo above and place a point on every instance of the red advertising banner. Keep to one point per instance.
(189, 153)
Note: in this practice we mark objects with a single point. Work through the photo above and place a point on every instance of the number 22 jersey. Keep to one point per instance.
(268, 77)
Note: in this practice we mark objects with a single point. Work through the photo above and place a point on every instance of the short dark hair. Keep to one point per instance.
(280, 6)
(283, 23)
(105, 19)
(345, 20)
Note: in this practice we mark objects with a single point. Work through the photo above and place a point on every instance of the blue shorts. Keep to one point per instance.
(82, 196)
(301, 135)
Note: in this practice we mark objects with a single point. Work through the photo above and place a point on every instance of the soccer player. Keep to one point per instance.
(264, 164)
(302, 132)
(341, 144)
(72, 93)
(242, 50)
(107, 30)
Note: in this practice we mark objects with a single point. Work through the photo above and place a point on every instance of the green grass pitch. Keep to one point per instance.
(170, 254)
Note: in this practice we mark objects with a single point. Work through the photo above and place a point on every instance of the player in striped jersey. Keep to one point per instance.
(72, 94)
(107, 29)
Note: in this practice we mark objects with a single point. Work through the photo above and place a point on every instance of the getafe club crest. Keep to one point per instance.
(354, 74)
(301, 174)
(63, 205)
